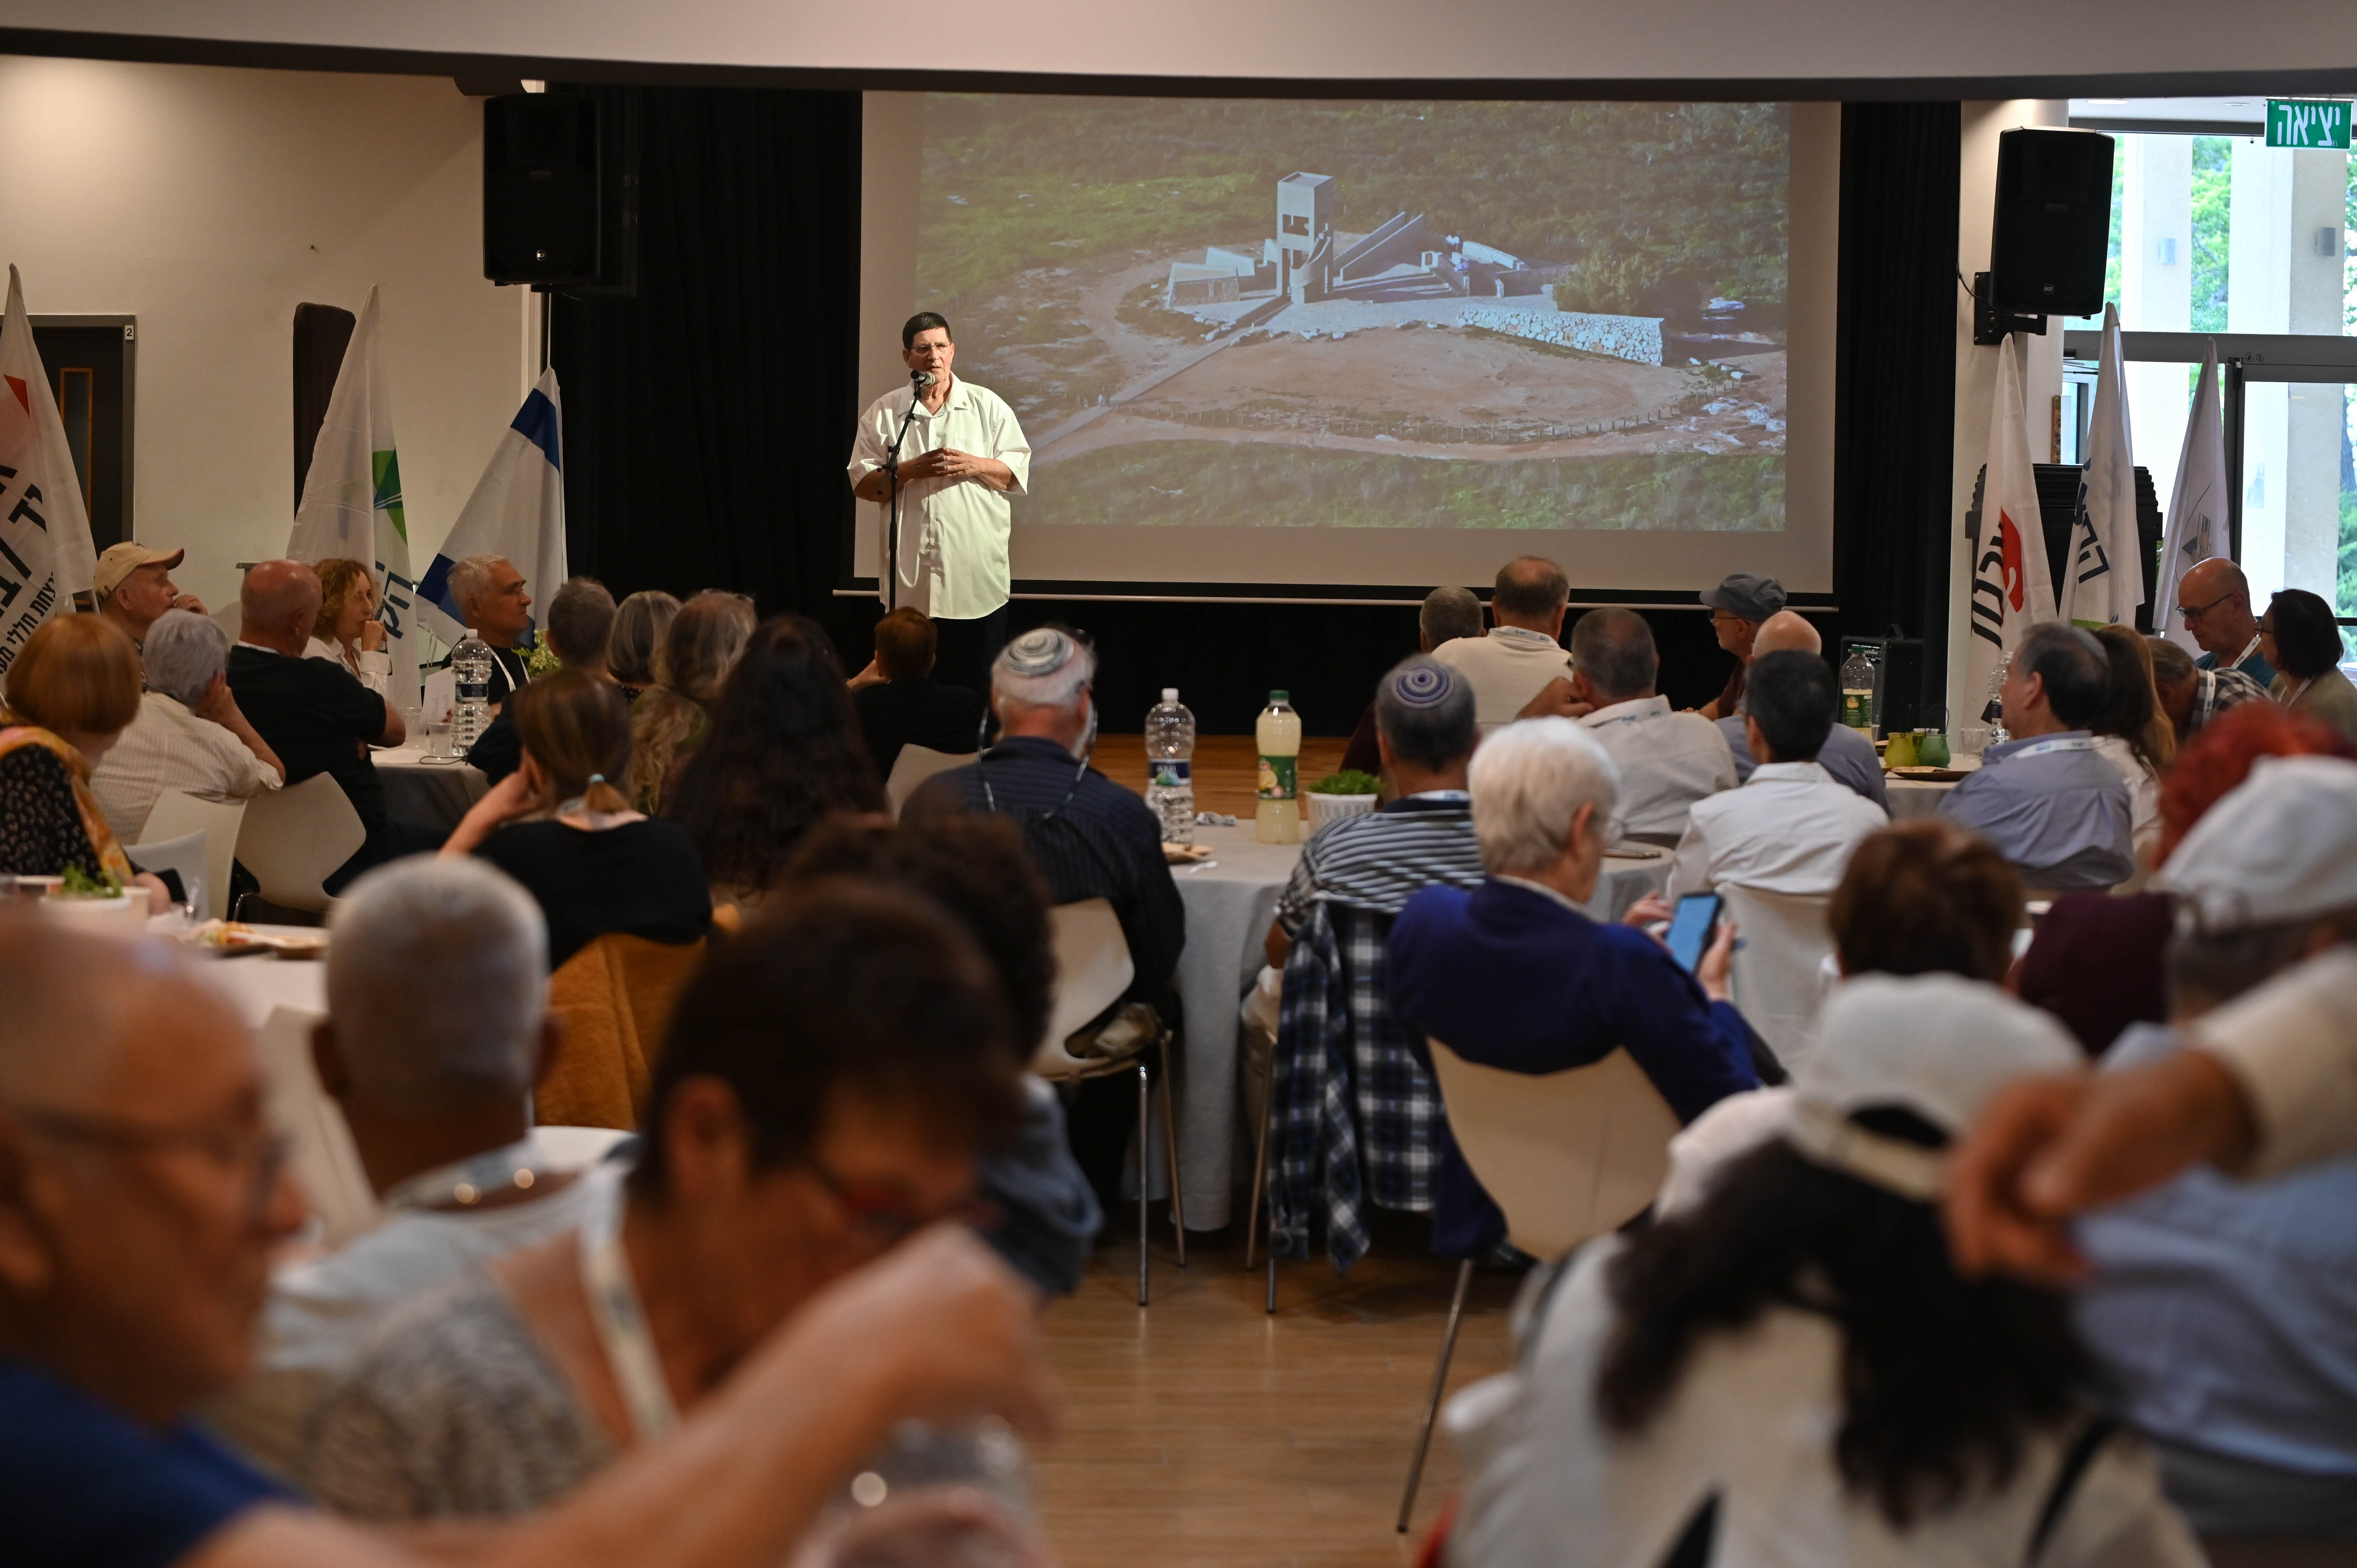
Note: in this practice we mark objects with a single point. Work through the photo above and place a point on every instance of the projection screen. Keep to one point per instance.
(1329, 345)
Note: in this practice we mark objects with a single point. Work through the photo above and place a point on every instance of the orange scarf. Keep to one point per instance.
(103, 842)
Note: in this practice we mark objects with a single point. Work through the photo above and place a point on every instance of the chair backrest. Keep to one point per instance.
(1093, 968)
(913, 767)
(1780, 982)
(1567, 1155)
(293, 840)
(614, 997)
(573, 1148)
(185, 854)
(325, 1161)
(177, 813)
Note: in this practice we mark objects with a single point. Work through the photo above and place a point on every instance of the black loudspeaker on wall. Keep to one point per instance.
(2048, 250)
(560, 192)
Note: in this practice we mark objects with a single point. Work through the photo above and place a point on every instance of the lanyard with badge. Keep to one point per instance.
(622, 1320)
(2042, 747)
(463, 1183)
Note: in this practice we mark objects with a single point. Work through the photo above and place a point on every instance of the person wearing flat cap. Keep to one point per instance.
(1738, 606)
(2226, 1311)
(132, 587)
(1812, 1381)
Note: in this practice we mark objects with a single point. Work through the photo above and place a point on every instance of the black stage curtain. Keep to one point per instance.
(1895, 399)
(706, 419)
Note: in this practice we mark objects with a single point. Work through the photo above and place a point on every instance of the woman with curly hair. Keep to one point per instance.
(671, 718)
(347, 631)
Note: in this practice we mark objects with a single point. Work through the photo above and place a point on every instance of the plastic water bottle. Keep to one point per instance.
(1278, 820)
(1857, 693)
(1170, 767)
(471, 710)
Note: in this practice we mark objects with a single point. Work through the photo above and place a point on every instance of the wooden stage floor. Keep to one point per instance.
(1200, 1431)
(1225, 766)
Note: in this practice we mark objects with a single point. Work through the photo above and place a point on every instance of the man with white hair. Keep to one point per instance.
(436, 1028)
(2228, 1313)
(141, 1194)
(1849, 755)
(491, 601)
(190, 734)
(1513, 973)
(1090, 837)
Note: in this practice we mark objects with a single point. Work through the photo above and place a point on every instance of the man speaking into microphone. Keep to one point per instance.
(954, 453)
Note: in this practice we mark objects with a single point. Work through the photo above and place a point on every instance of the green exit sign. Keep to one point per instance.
(2322, 123)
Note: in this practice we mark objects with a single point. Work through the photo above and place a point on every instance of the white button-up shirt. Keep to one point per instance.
(166, 746)
(1668, 761)
(1507, 668)
(1791, 830)
(954, 532)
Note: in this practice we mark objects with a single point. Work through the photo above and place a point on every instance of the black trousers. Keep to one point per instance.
(964, 654)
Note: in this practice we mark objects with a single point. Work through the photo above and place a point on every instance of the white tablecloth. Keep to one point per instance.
(1229, 902)
(1911, 798)
(434, 796)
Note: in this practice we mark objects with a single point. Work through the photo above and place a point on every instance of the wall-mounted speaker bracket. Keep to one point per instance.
(1992, 321)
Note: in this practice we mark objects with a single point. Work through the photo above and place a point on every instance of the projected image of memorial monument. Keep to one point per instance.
(1371, 316)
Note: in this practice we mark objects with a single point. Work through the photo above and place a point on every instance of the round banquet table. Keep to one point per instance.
(433, 796)
(1913, 798)
(1229, 901)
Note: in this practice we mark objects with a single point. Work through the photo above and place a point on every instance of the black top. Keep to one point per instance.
(499, 750)
(41, 826)
(319, 718)
(917, 712)
(642, 879)
(1094, 841)
(508, 671)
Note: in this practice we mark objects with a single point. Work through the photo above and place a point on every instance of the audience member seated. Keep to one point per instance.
(1792, 1370)
(1090, 837)
(639, 623)
(1447, 615)
(2191, 696)
(2095, 962)
(2213, 599)
(71, 691)
(900, 702)
(828, 1078)
(1042, 1214)
(437, 987)
(313, 713)
(2227, 1311)
(487, 592)
(1513, 974)
(784, 753)
(580, 620)
(132, 586)
(2299, 637)
(562, 829)
(2046, 797)
(1336, 1030)
(669, 720)
(1792, 829)
(347, 631)
(1667, 761)
(2134, 736)
(147, 1194)
(189, 734)
(1849, 755)
(1739, 605)
(1523, 650)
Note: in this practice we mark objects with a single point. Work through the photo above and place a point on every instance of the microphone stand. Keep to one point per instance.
(892, 487)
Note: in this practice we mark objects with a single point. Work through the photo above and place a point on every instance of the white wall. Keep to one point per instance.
(209, 203)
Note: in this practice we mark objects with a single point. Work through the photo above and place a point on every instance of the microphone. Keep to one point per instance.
(920, 379)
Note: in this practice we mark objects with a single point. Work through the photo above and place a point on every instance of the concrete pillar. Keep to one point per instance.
(2284, 272)
(2157, 293)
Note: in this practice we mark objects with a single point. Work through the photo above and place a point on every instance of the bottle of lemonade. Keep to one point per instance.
(1278, 731)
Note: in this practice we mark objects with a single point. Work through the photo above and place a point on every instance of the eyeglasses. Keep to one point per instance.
(885, 1216)
(259, 1149)
(2192, 613)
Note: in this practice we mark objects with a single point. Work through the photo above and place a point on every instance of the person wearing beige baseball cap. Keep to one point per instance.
(132, 586)
(1792, 1370)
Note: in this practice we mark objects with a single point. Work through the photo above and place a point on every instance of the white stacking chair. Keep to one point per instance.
(1092, 970)
(1567, 1155)
(185, 854)
(177, 813)
(1780, 982)
(324, 1159)
(913, 767)
(294, 839)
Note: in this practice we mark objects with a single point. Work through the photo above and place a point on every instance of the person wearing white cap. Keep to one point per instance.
(2228, 1312)
(132, 586)
(1791, 1371)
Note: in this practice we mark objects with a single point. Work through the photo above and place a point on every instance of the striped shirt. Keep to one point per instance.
(1379, 860)
(168, 747)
